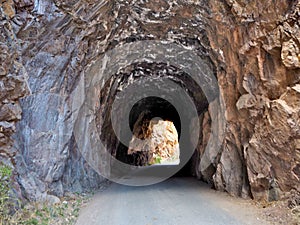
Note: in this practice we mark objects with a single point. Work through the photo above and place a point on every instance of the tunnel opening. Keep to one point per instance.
(141, 116)
(151, 107)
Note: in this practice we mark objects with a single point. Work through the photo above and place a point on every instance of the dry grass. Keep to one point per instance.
(63, 213)
(13, 212)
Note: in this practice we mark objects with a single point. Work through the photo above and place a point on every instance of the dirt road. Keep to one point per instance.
(177, 201)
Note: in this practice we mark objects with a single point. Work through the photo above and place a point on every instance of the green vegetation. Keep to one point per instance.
(158, 160)
(66, 212)
(5, 174)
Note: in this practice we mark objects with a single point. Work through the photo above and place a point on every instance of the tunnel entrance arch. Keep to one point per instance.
(109, 68)
(157, 74)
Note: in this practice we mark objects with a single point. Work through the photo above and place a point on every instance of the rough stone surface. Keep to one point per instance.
(13, 85)
(252, 47)
(258, 46)
(157, 140)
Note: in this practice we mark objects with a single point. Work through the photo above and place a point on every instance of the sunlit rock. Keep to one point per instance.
(158, 139)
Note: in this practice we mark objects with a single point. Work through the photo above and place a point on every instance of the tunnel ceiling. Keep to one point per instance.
(154, 107)
(130, 75)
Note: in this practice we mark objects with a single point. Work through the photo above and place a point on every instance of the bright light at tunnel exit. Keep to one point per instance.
(155, 142)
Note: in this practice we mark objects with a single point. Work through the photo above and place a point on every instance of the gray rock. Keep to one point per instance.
(53, 51)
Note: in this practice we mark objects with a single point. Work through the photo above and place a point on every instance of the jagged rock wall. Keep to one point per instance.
(13, 84)
(252, 47)
(46, 157)
(258, 56)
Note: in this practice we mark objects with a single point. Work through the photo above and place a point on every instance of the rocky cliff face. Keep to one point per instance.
(258, 46)
(251, 48)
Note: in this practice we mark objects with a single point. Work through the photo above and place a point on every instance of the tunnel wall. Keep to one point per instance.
(254, 50)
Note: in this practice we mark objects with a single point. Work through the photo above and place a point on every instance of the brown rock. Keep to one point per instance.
(10, 112)
(290, 54)
(8, 8)
(159, 140)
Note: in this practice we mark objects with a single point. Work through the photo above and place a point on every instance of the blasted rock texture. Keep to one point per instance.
(259, 81)
(252, 47)
(13, 84)
(46, 159)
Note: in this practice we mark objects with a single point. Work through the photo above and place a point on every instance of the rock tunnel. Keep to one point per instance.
(177, 89)
(145, 110)
(152, 107)
(86, 70)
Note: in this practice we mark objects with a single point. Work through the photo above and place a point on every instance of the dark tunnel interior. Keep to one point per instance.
(150, 107)
(153, 107)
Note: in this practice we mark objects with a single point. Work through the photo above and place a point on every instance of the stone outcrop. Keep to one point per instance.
(252, 49)
(155, 142)
(259, 80)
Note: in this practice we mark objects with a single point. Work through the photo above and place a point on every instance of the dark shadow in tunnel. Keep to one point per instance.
(155, 107)
(186, 170)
